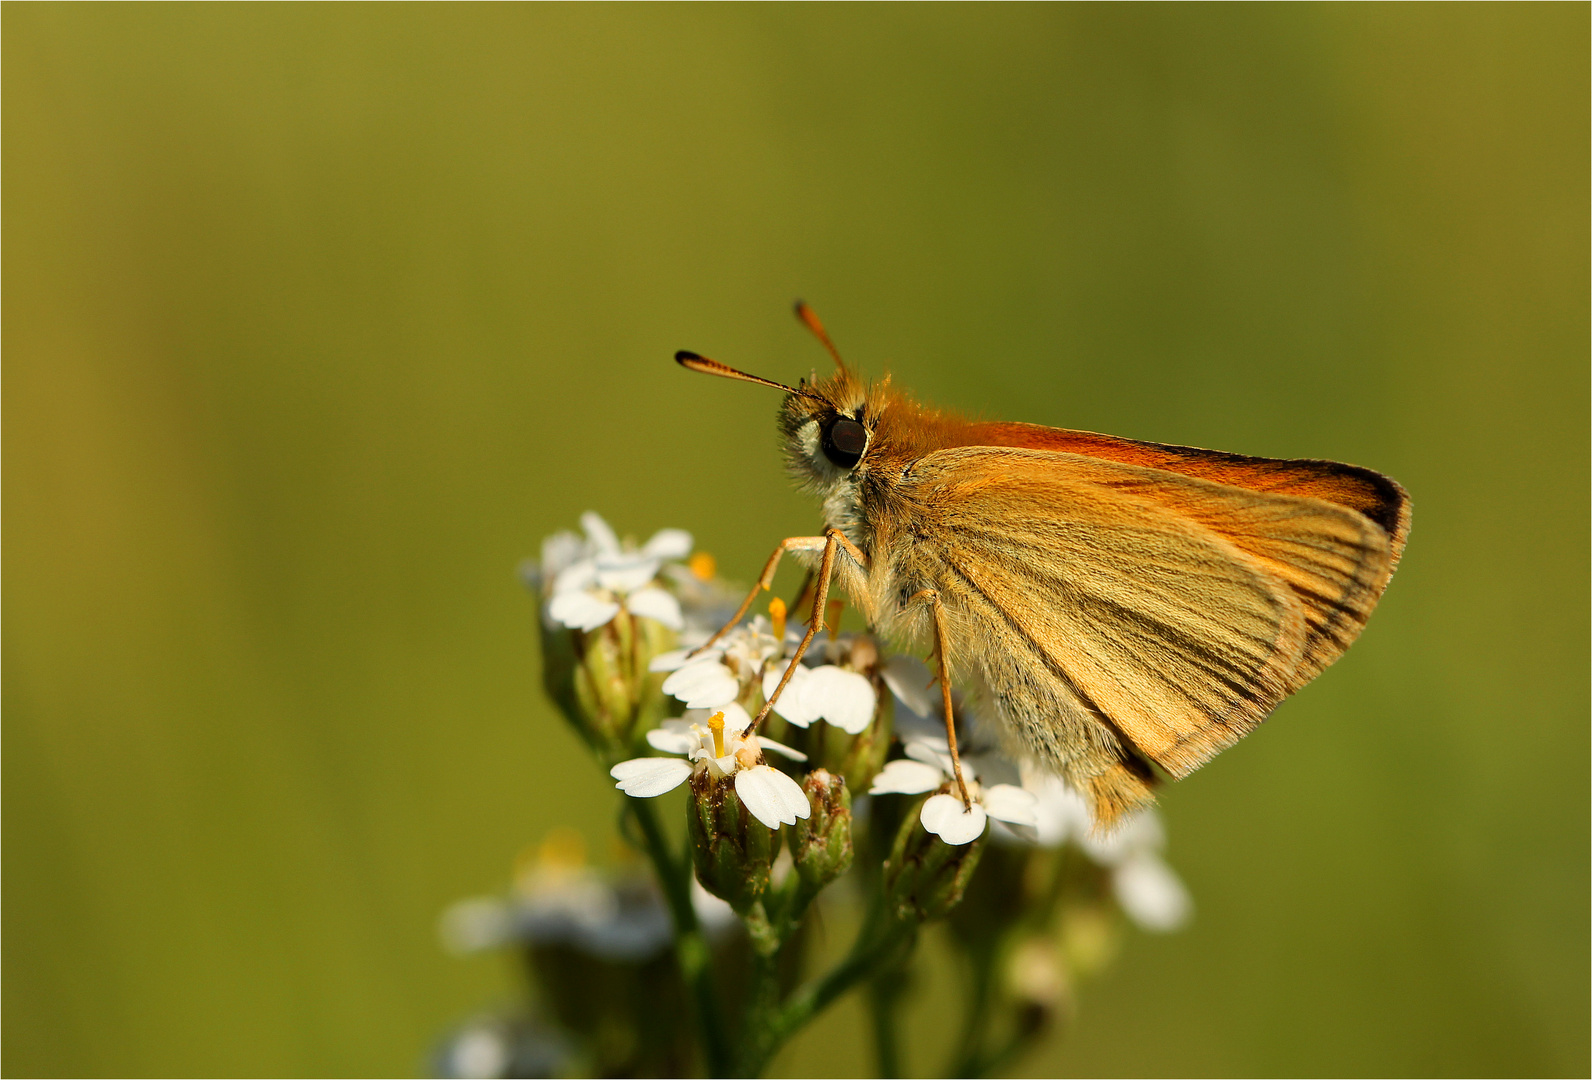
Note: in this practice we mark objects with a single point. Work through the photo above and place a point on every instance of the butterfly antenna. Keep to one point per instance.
(810, 320)
(696, 362)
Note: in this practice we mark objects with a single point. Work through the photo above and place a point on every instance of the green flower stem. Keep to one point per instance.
(999, 1061)
(691, 948)
(884, 995)
(977, 1014)
(768, 940)
(877, 943)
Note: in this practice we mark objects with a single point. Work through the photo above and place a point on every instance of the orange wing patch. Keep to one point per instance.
(1376, 496)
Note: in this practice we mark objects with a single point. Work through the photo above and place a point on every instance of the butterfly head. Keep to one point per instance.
(827, 427)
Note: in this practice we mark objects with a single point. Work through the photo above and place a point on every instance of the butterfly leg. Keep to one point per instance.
(932, 598)
(765, 581)
(833, 541)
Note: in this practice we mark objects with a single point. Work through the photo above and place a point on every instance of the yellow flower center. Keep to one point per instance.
(776, 613)
(703, 566)
(716, 725)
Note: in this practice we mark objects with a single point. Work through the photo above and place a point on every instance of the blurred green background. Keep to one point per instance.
(318, 318)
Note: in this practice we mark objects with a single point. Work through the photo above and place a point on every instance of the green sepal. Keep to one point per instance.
(925, 877)
(731, 850)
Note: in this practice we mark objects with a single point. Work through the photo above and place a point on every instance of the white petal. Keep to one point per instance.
(1011, 804)
(736, 719)
(906, 778)
(1062, 814)
(841, 697)
(1026, 834)
(654, 603)
(771, 796)
(780, 748)
(910, 681)
(625, 573)
(576, 576)
(791, 704)
(947, 818)
(992, 768)
(703, 686)
(1140, 832)
(909, 725)
(1151, 893)
(675, 659)
(671, 740)
(715, 915)
(668, 544)
(598, 532)
(646, 778)
(475, 925)
(795, 798)
(581, 610)
(1143, 831)
(479, 1051)
(561, 550)
(932, 751)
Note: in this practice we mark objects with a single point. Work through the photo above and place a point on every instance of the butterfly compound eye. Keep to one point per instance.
(844, 442)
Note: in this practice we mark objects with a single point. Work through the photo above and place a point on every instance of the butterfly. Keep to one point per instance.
(1120, 606)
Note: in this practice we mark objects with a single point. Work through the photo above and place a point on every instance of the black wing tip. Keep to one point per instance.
(684, 356)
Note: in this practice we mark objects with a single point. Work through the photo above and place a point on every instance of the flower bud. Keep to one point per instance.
(731, 849)
(1035, 981)
(821, 844)
(1089, 938)
(599, 678)
(925, 877)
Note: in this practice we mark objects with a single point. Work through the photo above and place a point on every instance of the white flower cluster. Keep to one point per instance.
(718, 749)
(712, 681)
(752, 654)
(1033, 806)
(587, 581)
(559, 901)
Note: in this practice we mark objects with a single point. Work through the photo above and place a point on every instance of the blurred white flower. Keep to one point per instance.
(504, 1045)
(1151, 893)
(478, 1052)
(564, 905)
(928, 766)
(588, 581)
(1147, 889)
(718, 748)
(716, 916)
